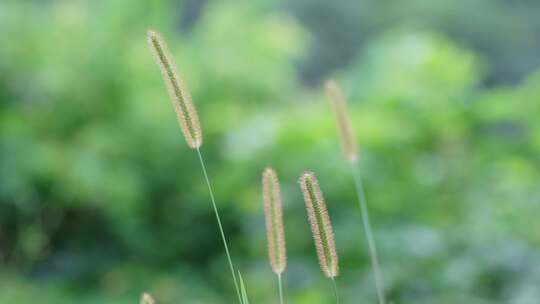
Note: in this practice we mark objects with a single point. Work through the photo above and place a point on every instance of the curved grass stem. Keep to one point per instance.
(219, 224)
(367, 229)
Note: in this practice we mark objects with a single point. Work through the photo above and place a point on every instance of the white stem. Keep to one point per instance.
(369, 235)
(219, 224)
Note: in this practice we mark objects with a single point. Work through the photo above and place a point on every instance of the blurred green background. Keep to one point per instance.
(100, 198)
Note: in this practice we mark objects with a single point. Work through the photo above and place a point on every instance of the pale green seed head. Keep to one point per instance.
(321, 226)
(273, 214)
(344, 126)
(147, 299)
(179, 95)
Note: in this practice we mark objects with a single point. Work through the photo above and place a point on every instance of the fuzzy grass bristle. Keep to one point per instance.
(147, 299)
(273, 215)
(321, 226)
(345, 130)
(179, 95)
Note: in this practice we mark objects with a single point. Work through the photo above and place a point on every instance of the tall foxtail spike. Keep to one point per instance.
(321, 227)
(344, 126)
(179, 95)
(273, 215)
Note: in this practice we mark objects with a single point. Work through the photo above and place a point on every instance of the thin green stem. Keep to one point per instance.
(369, 235)
(335, 289)
(219, 223)
(280, 286)
(245, 299)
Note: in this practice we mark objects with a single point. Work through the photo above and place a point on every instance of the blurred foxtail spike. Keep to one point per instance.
(273, 214)
(345, 130)
(147, 299)
(321, 227)
(179, 95)
(350, 149)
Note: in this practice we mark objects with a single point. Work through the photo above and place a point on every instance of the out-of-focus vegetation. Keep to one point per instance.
(100, 199)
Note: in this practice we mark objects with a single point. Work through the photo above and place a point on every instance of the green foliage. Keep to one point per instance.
(100, 198)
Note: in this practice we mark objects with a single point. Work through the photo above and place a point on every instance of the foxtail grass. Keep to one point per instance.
(273, 215)
(179, 95)
(321, 227)
(189, 123)
(147, 299)
(350, 151)
(345, 130)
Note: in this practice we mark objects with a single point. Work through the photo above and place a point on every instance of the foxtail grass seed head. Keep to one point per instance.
(180, 97)
(321, 227)
(345, 130)
(147, 299)
(273, 215)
